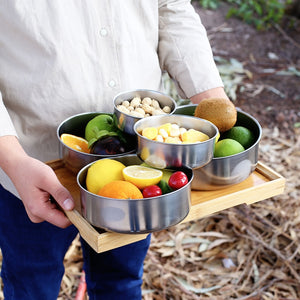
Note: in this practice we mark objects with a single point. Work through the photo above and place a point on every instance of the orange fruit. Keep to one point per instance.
(120, 189)
(75, 142)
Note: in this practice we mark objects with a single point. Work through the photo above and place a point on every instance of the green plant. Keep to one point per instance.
(209, 4)
(260, 13)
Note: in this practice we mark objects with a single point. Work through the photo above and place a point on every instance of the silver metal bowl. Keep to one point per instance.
(125, 121)
(135, 215)
(222, 172)
(165, 155)
(75, 160)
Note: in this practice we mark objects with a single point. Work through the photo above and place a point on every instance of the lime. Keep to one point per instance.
(227, 147)
(102, 172)
(242, 135)
(167, 174)
(165, 188)
(142, 176)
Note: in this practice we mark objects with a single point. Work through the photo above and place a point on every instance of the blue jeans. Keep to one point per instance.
(33, 253)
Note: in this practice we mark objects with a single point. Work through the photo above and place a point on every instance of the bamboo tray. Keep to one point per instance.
(263, 183)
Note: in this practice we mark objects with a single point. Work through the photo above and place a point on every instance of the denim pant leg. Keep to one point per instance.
(115, 274)
(33, 253)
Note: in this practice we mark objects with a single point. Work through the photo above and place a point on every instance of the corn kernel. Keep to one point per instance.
(182, 130)
(167, 127)
(150, 132)
(194, 136)
(159, 138)
(163, 133)
(173, 140)
(174, 132)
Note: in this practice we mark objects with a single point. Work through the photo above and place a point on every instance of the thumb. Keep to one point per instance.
(63, 198)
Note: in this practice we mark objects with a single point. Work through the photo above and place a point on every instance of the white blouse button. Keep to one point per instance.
(112, 83)
(103, 31)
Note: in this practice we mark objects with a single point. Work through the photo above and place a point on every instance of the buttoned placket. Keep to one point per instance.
(108, 45)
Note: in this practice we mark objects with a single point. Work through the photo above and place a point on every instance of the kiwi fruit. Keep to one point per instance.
(220, 111)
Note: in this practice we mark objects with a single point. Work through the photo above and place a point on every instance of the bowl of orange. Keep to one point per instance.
(120, 195)
(74, 148)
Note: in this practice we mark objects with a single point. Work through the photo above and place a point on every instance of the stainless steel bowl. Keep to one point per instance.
(225, 171)
(74, 160)
(135, 215)
(125, 121)
(164, 155)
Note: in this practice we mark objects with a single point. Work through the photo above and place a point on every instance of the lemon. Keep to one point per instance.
(227, 147)
(142, 176)
(242, 135)
(102, 172)
(166, 172)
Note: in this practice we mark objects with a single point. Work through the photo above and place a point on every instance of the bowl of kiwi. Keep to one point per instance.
(236, 150)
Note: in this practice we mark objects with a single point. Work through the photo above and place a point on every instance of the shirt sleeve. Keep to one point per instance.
(184, 49)
(6, 125)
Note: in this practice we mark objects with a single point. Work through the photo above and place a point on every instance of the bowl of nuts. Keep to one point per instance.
(131, 106)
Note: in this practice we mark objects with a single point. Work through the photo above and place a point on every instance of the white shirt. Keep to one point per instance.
(60, 58)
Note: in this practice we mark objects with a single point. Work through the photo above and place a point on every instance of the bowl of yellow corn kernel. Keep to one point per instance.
(175, 140)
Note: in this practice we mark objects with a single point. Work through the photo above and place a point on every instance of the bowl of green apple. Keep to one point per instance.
(87, 137)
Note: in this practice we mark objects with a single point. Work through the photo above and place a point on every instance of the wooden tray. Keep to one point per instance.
(263, 183)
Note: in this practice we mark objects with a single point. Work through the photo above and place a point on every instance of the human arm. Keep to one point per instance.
(34, 180)
(185, 52)
(209, 94)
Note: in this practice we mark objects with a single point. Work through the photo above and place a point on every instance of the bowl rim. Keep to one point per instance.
(143, 90)
(80, 152)
(239, 110)
(86, 167)
(252, 146)
(174, 115)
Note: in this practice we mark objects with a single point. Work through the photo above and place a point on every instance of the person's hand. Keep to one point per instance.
(35, 183)
(212, 93)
